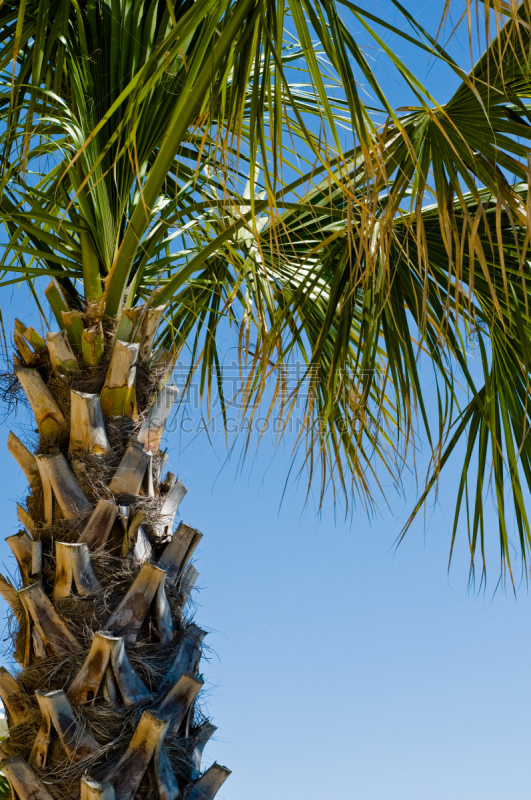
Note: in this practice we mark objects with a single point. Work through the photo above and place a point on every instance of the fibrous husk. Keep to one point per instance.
(163, 633)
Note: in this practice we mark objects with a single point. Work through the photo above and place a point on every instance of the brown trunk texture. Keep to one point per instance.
(104, 702)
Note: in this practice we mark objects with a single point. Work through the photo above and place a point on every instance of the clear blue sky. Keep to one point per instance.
(342, 666)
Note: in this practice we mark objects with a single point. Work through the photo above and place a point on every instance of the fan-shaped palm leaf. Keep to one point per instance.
(190, 154)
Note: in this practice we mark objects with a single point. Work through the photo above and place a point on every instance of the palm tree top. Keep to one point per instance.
(239, 164)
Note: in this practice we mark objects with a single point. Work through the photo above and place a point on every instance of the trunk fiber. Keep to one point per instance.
(103, 703)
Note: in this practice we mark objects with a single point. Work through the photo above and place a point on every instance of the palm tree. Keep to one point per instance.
(176, 170)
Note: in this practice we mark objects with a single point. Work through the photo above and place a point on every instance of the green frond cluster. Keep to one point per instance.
(238, 162)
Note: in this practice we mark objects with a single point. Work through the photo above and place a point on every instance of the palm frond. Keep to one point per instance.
(192, 154)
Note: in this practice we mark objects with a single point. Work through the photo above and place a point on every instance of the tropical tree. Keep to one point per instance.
(176, 171)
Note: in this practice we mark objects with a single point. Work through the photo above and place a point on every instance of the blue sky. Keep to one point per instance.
(341, 665)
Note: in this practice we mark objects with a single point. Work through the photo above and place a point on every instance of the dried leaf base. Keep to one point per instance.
(104, 703)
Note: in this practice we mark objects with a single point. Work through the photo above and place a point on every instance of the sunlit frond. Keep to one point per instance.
(239, 162)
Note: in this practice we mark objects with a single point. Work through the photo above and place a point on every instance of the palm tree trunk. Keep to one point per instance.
(104, 703)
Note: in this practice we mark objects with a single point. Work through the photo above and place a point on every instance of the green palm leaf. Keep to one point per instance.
(5, 789)
(190, 154)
